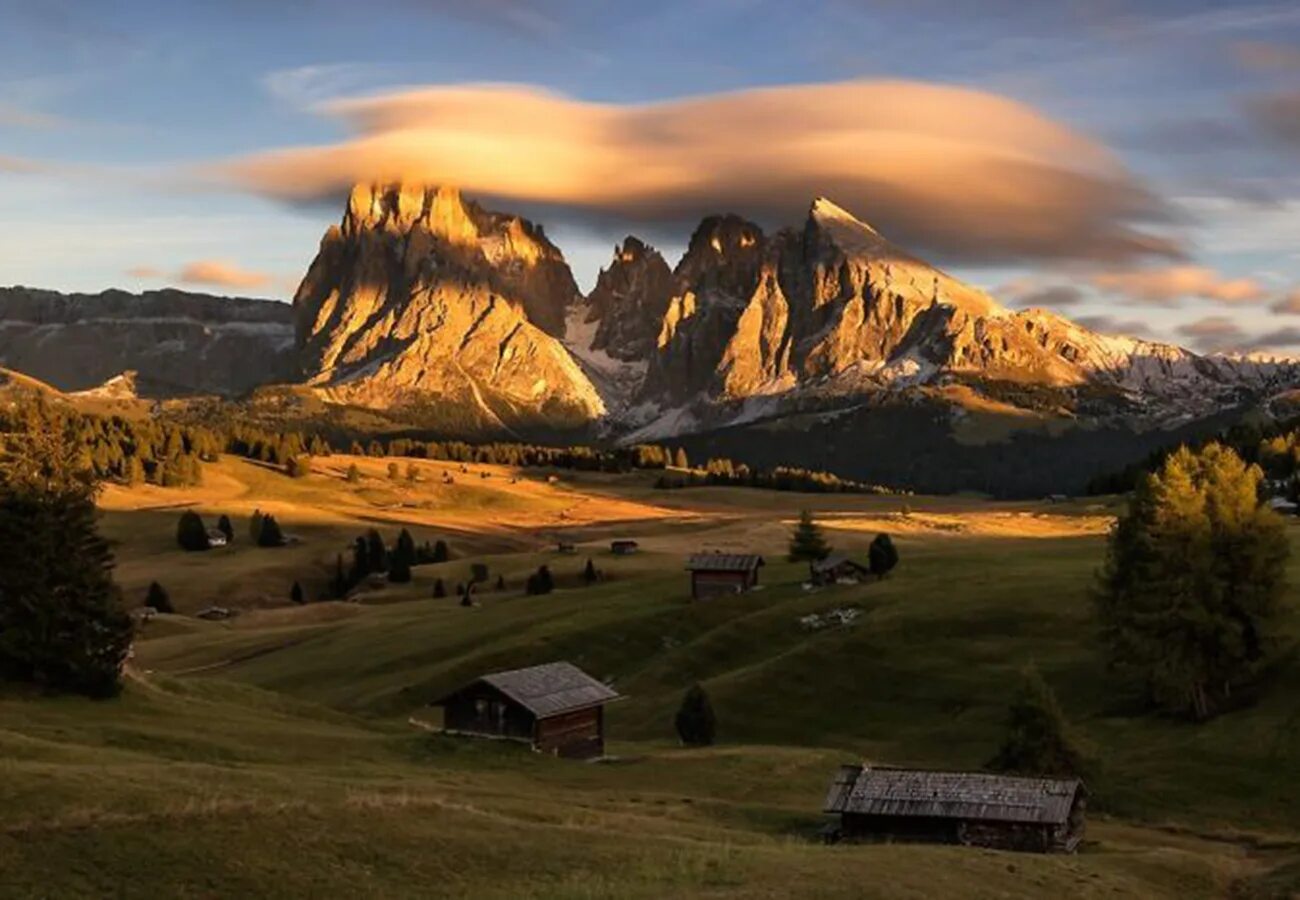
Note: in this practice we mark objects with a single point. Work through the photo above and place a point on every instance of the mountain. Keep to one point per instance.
(178, 343)
(423, 303)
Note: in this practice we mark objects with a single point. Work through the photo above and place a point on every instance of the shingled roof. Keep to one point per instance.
(549, 689)
(723, 562)
(952, 795)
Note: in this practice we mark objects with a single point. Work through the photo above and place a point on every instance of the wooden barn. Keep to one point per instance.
(722, 573)
(1041, 815)
(836, 568)
(623, 547)
(556, 707)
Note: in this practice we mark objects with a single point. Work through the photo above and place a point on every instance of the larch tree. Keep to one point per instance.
(1190, 596)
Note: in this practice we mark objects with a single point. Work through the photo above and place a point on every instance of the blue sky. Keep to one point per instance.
(114, 115)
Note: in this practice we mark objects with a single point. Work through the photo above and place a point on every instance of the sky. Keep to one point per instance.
(1133, 165)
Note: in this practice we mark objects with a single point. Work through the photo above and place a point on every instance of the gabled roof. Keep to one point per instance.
(548, 689)
(723, 562)
(952, 795)
(835, 560)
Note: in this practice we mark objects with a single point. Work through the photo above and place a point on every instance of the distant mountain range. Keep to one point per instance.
(822, 345)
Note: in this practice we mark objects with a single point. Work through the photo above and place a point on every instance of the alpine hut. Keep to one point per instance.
(555, 707)
(836, 569)
(973, 808)
(722, 573)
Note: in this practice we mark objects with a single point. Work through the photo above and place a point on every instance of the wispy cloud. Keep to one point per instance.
(209, 272)
(1032, 291)
(966, 173)
(1112, 325)
(1266, 56)
(1213, 333)
(1167, 286)
(1288, 304)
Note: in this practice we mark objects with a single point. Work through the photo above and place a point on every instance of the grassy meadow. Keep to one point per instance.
(290, 751)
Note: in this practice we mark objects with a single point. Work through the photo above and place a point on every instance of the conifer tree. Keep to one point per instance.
(270, 535)
(399, 570)
(405, 548)
(1189, 599)
(295, 593)
(360, 560)
(695, 720)
(255, 527)
(807, 541)
(340, 582)
(354, 474)
(224, 526)
(439, 589)
(1038, 739)
(156, 598)
(589, 572)
(191, 533)
(680, 459)
(882, 556)
(62, 623)
(377, 553)
(440, 551)
(394, 473)
(501, 582)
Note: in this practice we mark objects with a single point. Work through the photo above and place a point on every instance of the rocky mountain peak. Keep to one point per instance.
(400, 208)
(629, 301)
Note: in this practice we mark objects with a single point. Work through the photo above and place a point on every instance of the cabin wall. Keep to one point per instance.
(574, 735)
(480, 709)
(710, 584)
(934, 830)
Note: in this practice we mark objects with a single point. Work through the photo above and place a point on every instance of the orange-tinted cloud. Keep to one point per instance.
(222, 274)
(145, 272)
(1288, 304)
(955, 170)
(1166, 286)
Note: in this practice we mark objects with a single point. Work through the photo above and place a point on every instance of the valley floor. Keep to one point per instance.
(290, 751)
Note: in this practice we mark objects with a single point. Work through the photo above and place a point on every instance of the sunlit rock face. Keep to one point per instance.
(421, 299)
(178, 343)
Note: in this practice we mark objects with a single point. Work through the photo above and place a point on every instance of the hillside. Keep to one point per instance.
(276, 752)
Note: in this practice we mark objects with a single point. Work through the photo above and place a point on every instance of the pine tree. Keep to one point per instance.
(440, 551)
(156, 598)
(255, 527)
(270, 535)
(295, 593)
(807, 541)
(501, 582)
(589, 572)
(695, 721)
(224, 526)
(354, 474)
(1038, 740)
(439, 589)
(377, 553)
(394, 473)
(1189, 599)
(62, 623)
(467, 595)
(882, 556)
(399, 570)
(360, 560)
(340, 584)
(191, 533)
(545, 584)
(405, 548)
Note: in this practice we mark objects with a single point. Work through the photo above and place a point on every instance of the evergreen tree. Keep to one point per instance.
(467, 595)
(191, 533)
(807, 541)
(156, 598)
(377, 553)
(405, 548)
(695, 721)
(62, 623)
(270, 535)
(360, 560)
(440, 551)
(399, 570)
(298, 467)
(295, 593)
(340, 584)
(882, 556)
(545, 584)
(1189, 599)
(255, 527)
(394, 473)
(501, 582)
(439, 589)
(680, 460)
(1038, 739)
(354, 474)
(478, 573)
(589, 572)
(224, 526)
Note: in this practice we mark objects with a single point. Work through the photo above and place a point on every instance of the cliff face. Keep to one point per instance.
(629, 301)
(179, 343)
(419, 299)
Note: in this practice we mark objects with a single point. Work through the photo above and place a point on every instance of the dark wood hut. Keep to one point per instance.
(555, 707)
(722, 573)
(973, 808)
(836, 568)
(623, 547)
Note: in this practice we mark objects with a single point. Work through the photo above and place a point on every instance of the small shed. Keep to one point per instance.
(971, 808)
(722, 573)
(566, 547)
(555, 707)
(623, 547)
(836, 568)
(216, 538)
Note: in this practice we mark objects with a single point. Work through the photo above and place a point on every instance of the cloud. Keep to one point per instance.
(1213, 333)
(1166, 286)
(1112, 325)
(1288, 304)
(18, 165)
(1287, 336)
(965, 173)
(1277, 115)
(147, 272)
(1266, 56)
(1030, 292)
(222, 274)
(12, 116)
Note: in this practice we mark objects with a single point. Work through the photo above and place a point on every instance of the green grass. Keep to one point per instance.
(272, 755)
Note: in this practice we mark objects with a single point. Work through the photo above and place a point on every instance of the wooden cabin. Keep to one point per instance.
(1042, 815)
(566, 547)
(713, 574)
(623, 547)
(835, 569)
(557, 708)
